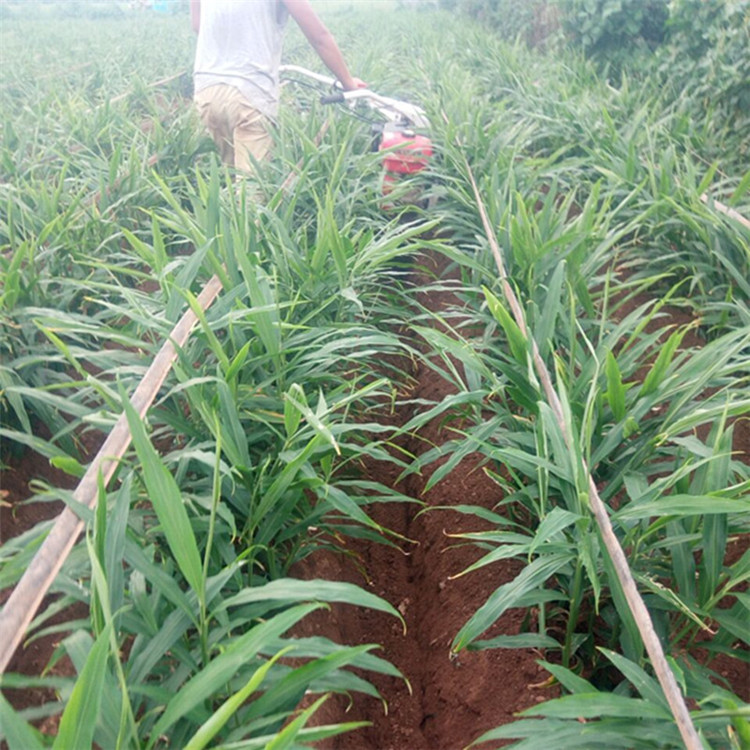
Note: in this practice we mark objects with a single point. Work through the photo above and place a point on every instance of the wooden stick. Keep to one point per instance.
(292, 176)
(96, 198)
(54, 74)
(725, 210)
(619, 560)
(28, 594)
(154, 85)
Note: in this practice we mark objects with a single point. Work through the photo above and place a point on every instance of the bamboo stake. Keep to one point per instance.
(23, 603)
(154, 85)
(36, 581)
(726, 210)
(96, 198)
(293, 175)
(53, 74)
(619, 560)
(130, 91)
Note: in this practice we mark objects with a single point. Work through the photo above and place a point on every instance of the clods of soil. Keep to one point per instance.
(446, 701)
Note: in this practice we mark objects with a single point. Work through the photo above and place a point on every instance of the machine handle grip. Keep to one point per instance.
(336, 98)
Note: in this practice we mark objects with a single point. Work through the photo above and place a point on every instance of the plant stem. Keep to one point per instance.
(575, 604)
(216, 495)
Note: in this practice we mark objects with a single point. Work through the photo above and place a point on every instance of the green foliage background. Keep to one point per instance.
(594, 183)
(697, 50)
(707, 57)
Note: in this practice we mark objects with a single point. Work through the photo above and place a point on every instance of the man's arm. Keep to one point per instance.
(322, 42)
(195, 15)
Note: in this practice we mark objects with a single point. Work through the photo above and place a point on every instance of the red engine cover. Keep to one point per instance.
(410, 152)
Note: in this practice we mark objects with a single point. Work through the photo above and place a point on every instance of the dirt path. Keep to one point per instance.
(17, 517)
(452, 700)
(448, 702)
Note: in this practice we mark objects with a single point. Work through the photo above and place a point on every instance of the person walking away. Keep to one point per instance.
(236, 71)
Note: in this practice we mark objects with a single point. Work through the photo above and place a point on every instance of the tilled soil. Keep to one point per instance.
(18, 515)
(444, 701)
(449, 700)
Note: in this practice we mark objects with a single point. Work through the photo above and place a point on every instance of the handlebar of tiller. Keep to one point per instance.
(393, 110)
(336, 98)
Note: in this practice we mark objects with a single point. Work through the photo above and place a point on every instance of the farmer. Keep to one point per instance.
(237, 69)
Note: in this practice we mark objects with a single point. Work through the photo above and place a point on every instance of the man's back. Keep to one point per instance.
(239, 44)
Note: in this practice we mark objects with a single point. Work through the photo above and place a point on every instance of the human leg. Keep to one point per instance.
(241, 133)
(252, 138)
(214, 105)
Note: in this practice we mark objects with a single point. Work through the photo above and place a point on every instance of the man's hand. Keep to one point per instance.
(357, 83)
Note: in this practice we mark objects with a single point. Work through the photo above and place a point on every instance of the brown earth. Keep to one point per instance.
(16, 517)
(20, 512)
(448, 701)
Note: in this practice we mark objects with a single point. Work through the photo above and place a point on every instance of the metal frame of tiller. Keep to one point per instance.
(401, 130)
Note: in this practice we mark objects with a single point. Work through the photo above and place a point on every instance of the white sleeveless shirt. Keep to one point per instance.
(239, 44)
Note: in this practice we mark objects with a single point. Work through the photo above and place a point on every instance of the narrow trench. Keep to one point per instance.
(452, 700)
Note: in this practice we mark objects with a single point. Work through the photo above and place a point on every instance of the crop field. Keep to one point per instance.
(470, 473)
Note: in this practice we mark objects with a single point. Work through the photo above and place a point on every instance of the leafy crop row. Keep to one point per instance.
(636, 293)
(184, 566)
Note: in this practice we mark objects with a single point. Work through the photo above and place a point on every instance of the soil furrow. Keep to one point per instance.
(453, 699)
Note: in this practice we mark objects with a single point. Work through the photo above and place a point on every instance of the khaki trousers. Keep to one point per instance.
(238, 129)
